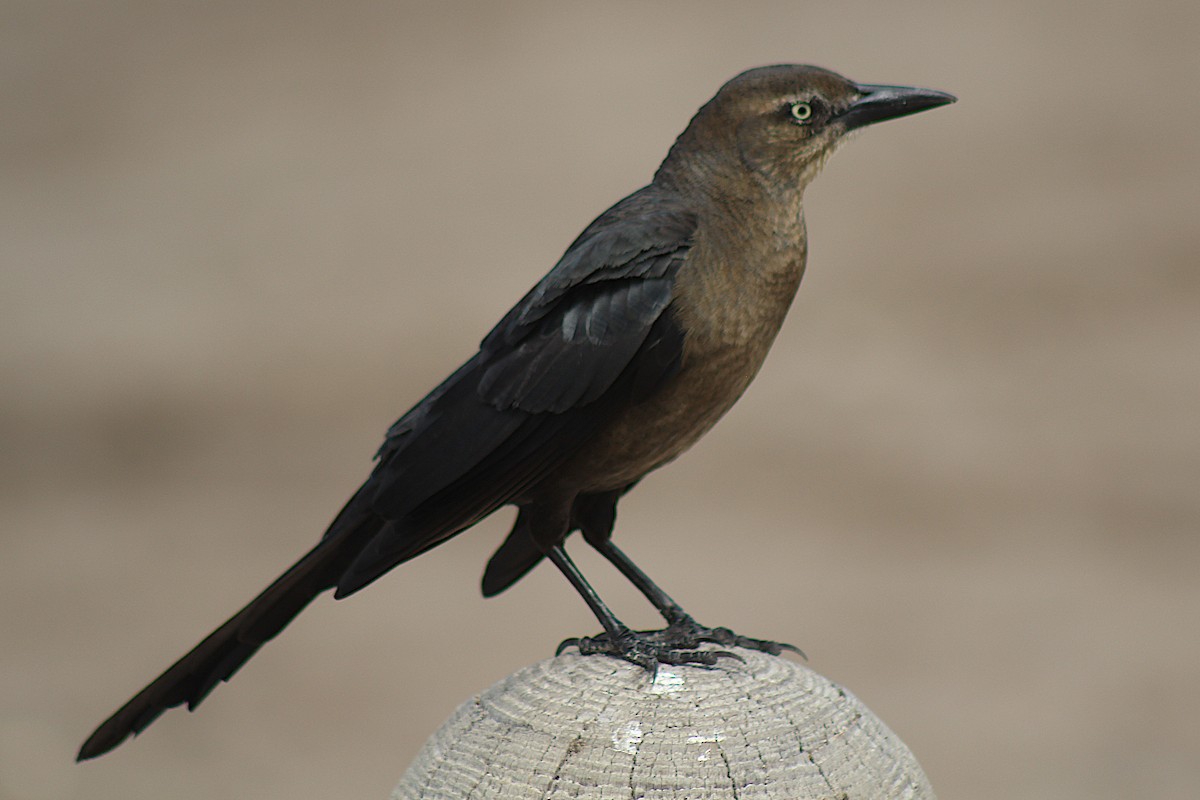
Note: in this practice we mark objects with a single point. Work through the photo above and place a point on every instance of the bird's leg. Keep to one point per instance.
(619, 640)
(671, 611)
(682, 630)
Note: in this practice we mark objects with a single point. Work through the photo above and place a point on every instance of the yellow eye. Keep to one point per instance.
(801, 112)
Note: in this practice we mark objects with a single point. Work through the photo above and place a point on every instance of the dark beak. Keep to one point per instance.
(878, 103)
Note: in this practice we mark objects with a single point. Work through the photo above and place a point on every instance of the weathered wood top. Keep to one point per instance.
(595, 727)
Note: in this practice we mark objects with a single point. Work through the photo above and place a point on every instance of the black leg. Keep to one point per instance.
(681, 630)
(618, 640)
(672, 612)
(612, 625)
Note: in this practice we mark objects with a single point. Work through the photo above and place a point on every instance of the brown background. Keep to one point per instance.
(237, 243)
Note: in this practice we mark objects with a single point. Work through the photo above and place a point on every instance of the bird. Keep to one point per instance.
(644, 333)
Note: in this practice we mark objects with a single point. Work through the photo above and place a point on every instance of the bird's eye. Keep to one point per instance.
(801, 112)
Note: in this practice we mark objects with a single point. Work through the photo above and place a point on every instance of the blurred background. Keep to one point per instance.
(238, 240)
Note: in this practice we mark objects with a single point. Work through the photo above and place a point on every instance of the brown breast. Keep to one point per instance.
(731, 313)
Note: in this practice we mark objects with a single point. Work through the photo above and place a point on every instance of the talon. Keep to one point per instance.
(647, 650)
(791, 648)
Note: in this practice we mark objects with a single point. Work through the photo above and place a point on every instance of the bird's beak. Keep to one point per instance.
(878, 103)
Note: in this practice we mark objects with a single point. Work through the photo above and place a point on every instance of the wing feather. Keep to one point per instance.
(592, 336)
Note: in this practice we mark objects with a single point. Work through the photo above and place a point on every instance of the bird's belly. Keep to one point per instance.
(729, 331)
(645, 436)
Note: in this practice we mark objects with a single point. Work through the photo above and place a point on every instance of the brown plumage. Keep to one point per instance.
(645, 333)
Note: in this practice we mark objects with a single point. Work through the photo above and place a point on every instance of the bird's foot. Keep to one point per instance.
(685, 632)
(645, 649)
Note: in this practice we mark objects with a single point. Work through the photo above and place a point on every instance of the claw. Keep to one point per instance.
(676, 644)
(728, 654)
(644, 649)
(685, 632)
(791, 648)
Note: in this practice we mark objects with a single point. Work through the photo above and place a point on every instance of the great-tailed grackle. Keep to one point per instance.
(646, 331)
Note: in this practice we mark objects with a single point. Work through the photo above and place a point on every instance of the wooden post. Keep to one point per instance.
(594, 727)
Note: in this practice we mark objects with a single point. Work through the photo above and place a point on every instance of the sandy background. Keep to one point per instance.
(236, 243)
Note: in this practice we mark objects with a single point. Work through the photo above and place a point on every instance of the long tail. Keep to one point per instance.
(222, 653)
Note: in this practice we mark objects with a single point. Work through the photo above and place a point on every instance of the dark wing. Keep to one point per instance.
(565, 343)
(590, 337)
(595, 334)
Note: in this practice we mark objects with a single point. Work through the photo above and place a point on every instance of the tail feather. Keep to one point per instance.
(190, 679)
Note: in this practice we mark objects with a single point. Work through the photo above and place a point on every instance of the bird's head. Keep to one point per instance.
(779, 124)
